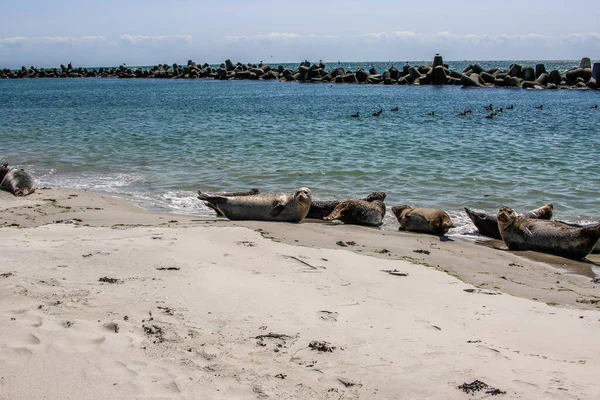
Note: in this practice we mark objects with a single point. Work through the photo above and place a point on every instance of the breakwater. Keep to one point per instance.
(436, 72)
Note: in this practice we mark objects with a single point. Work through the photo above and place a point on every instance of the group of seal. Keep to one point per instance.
(487, 223)
(533, 230)
(555, 237)
(16, 181)
(252, 205)
(530, 230)
(368, 210)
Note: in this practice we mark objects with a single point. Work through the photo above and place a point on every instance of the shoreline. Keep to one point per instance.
(131, 303)
(516, 273)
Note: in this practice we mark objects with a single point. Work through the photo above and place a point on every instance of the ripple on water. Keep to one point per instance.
(160, 141)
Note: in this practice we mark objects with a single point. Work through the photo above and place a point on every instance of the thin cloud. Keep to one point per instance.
(142, 39)
(50, 39)
(273, 37)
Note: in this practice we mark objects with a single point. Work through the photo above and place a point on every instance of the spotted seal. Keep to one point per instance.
(16, 181)
(522, 233)
(250, 192)
(423, 220)
(487, 223)
(262, 207)
(358, 212)
(322, 208)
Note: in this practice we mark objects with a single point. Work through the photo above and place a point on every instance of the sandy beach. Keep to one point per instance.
(102, 299)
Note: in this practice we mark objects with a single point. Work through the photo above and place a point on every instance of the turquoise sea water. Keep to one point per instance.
(156, 142)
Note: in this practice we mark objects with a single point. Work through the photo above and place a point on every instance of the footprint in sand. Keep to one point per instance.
(209, 353)
(490, 351)
(32, 339)
(18, 345)
(111, 327)
(22, 352)
(330, 316)
(525, 385)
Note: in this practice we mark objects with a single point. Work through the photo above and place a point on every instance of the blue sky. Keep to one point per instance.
(87, 33)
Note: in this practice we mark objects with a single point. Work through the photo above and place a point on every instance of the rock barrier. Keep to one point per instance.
(585, 75)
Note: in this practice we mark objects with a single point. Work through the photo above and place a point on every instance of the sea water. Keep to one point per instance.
(156, 142)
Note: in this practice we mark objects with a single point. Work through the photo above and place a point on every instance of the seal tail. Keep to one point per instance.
(21, 192)
(470, 214)
(211, 198)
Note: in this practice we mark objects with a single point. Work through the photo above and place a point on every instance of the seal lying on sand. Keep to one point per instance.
(522, 233)
(487, 224)
(319, 209)
(229, 194)
(262, 207)
(16, 181)
(358, 212)
(424, 220)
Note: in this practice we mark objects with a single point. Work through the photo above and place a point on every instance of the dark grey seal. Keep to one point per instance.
(358, 212)
(423, 220)
(487, 223)
(263, 207)
(16, 181)
(522, 233)
(319, 209)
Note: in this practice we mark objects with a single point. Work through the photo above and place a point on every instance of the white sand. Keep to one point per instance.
(192, 332)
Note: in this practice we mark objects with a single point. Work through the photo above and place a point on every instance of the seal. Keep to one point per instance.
(487, 223)
(281, 207)
(423, 220)
(358, 212)
(16, 181)
(229, 194)
(319, 209)
(522, 233)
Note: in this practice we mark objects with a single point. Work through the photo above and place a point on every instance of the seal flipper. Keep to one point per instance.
(277, 209)
(592, 232)
(543, 212)
(337, 213)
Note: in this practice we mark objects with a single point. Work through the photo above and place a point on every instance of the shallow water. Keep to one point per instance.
(158, 141)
